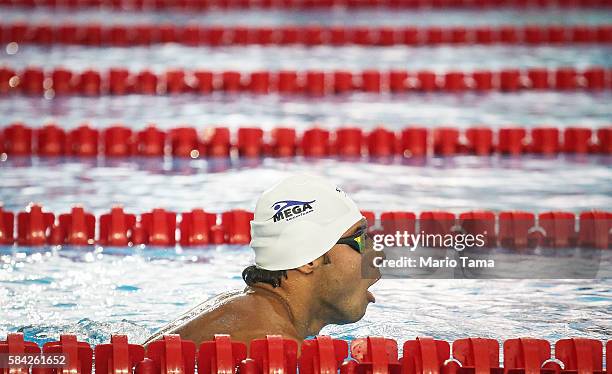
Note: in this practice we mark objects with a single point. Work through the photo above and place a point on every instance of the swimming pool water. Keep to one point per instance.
(529, 109)
(97, 292)
(251, 58)
(456, 184)
(327, 17)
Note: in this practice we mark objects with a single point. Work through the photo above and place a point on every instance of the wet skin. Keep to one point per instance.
(325, 291)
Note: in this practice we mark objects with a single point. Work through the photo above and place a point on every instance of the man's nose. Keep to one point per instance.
(369, 271)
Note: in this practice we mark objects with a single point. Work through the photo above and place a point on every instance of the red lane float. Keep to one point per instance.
(545, 140)
(348, 142)
(74, 228)
(118, 141)
(204, 5)
(479, 141)
(237, 226)
(316, 143)
(115, 227)
(372, 354)
(517, 229)
(220, 355)
(322, 354)
(284, 142)
(18, 140)
(437, 223)
(250, 142)
(581, 355)
(197, 228)
(34, 225)
(218, 144)
(172, 354)
(118, 356)
(609, 356)
(477, 222)
(15, 345)
(528, 355)
(425, 355)
(514, 229)
(214, 36)
(36, 81)
(7, 227)
(274, 354)
(559, 227)
(594, 229)
(158, 228)
(79, 354)
(151, 142)
(382, 143)
(477, 354)
(446, 141)
(414, 142)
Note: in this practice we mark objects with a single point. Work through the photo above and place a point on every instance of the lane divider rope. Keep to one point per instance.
(320, 354)
(159, 227)
(191, 35)
(348, 142)
(50, 83)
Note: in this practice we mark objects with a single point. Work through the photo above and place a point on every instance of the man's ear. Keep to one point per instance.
(311, 266)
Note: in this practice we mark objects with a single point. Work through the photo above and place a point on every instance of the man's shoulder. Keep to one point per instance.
(228, 313)
(231, 311)
(245, 317)
(190, 321)
(242, 314)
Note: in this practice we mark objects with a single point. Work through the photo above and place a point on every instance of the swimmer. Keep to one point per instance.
(309, 239)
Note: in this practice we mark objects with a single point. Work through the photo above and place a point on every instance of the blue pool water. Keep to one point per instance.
(97, 292)
(363, 17)
(495, 109)
(249, 58)
(456, 184)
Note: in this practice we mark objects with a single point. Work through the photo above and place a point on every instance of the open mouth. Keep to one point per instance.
(370, 296)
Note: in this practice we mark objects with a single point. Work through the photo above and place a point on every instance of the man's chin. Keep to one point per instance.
(353, 317)
(362, 311)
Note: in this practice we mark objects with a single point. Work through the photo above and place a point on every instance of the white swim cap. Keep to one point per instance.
(298, 220)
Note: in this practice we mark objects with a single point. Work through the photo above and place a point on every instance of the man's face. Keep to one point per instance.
(345, 291)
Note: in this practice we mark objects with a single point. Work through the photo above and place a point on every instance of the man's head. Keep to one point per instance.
(308, 231)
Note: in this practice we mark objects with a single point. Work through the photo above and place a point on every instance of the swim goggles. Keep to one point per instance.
(357, 241)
